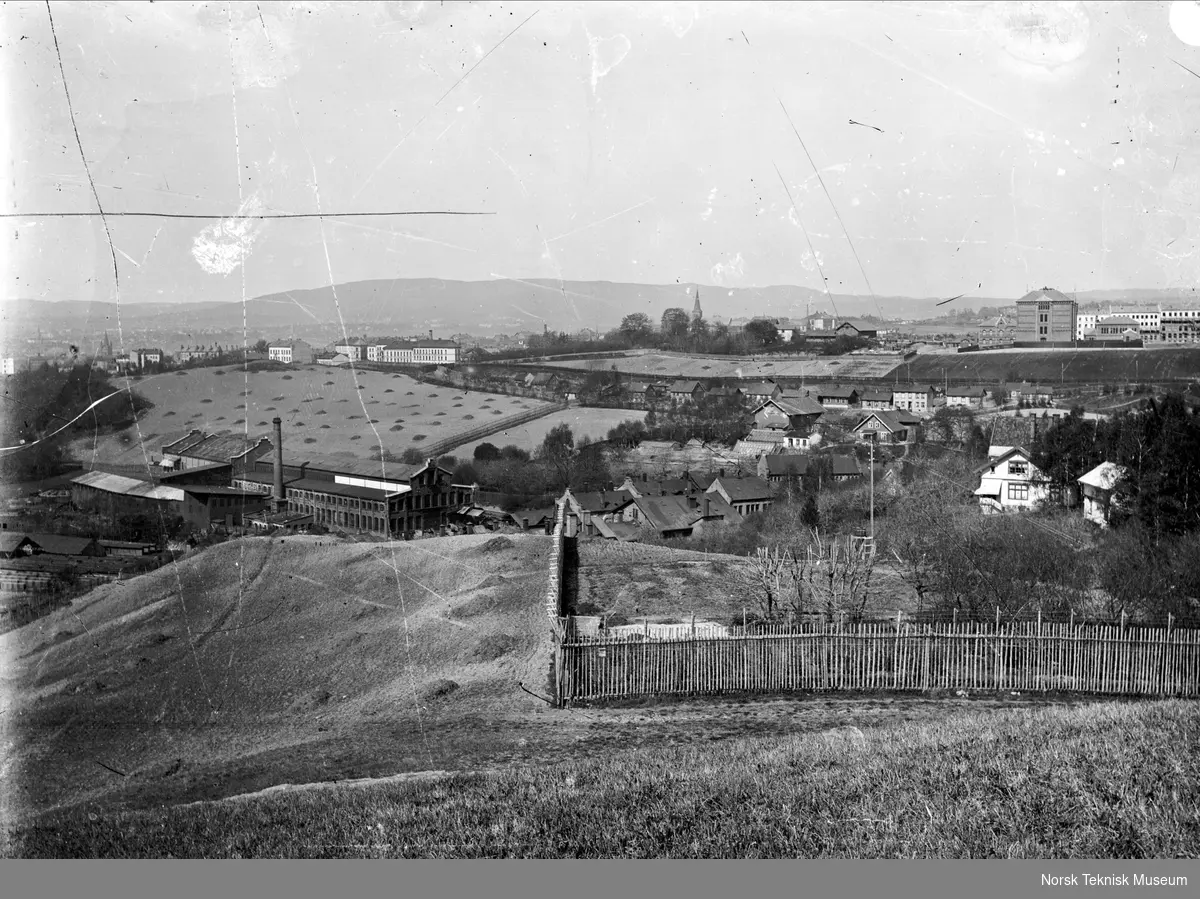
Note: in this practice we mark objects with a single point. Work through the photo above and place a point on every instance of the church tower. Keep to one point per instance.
(696, 313)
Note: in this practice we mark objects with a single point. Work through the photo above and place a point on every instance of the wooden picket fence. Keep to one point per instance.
(1018, 656)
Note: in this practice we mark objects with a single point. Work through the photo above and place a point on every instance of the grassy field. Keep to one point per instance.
(632, 581)
(1109, 780)
(322, 409)
(1098, 366)
(672, 365)
(594, 423)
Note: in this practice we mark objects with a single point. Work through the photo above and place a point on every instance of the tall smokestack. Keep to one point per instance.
(278, 497)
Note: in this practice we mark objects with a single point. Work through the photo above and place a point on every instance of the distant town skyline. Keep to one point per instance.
(978, 148)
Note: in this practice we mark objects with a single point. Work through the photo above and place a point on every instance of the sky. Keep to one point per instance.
(916, 149)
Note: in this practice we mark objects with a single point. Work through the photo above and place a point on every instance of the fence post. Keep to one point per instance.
(997, 618)
(1037, 656)
(956, 616)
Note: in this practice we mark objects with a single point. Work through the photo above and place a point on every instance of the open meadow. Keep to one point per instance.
(1053, 366)
(583, 422)
(325, 410)
(260, 663)
(682, 365)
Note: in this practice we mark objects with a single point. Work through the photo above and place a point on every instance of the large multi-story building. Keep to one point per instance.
(1180, 325)
(433, 351)
(291, 352)
(1084, 322)
(401, 352)
(1046, 316)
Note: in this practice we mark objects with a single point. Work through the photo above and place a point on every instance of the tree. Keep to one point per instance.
(762, 332)
(698, 333)
(675, 323)
(513, 453)
(260, 346)
(558, 450)
(637, 327)
(486, 452)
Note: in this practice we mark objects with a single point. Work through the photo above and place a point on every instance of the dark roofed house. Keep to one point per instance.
(845, 467)
(14, 546)
(641, 392)
(875, 398)
(965, 396)
(776, 467)
(883, 427)
(745, 494)
(786, 414)
(543, 379)
(677, 516)
(198, 449)
(856, 328)
(724, 393)
(837, 397)
(602, 502)
(761, 391)
(59, 545)
(647, 486)
(685, 390)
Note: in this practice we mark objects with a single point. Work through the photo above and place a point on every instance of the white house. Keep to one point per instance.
(913, 398)
(354, 351)
(1098, 486)
(291, 352)
(402, 353)
(965, 396)
(10, 365)
(1010, 481)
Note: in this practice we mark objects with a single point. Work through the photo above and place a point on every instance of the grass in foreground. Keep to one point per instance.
(1111, 780)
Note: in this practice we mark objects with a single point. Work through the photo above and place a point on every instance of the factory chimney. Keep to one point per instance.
(278, 500)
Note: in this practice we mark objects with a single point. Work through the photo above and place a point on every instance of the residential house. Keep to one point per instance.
(333, 359)
(676, 515)
(725, 393)
(148, 356)
(778, 467)
(971, 397)
(1099, 488)
(16, 546)
(875, 399)
(746, 494)
(914, 398)
(641, 394)
(353, 350)
(845, 467)
(59, 545)
(800, 415)
(758, 392)
(998, 331)
(856, 328)
(1010, 481)
(543, 380)
(1032, 394)
(837, 397)
(885, 428)
(291, 352)
(375, 349)
(685, 391)
(647, 486)
(127, 548)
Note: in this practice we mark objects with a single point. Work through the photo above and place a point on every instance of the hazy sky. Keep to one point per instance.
(1002, 146)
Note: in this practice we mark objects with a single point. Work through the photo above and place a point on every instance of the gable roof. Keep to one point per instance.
(1048, 293)
(966, 391)
(1005, 456)
(685, 387)
(602, 500)
(123, 486)
(857, 324)
(744, 489)
(1105, 476)
(915, 388)
(845, 465)
(760, 388)
(678, 513)
(888, 419)
(10, 542)
(803, 405)
(60, 545)
(837, 391)
(782, 465)
(875, 395)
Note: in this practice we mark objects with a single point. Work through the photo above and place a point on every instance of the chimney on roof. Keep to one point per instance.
(431, 333)
(278, 498)
(707, 506)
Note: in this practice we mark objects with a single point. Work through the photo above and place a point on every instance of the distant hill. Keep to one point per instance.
(415, 305)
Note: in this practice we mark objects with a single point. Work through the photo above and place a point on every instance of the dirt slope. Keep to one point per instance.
(260, 661)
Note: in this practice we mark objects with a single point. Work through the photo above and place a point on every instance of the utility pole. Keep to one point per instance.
(872, 464)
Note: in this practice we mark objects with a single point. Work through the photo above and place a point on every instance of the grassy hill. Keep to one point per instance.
(1102, 781)
(322, 408)
(1095, 366)
(260, 661)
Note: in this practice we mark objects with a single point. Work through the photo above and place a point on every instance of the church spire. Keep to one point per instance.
(697, 314)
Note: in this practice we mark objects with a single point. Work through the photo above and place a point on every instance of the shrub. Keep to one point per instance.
(310, 439)
(287, 377)
(206, 400)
